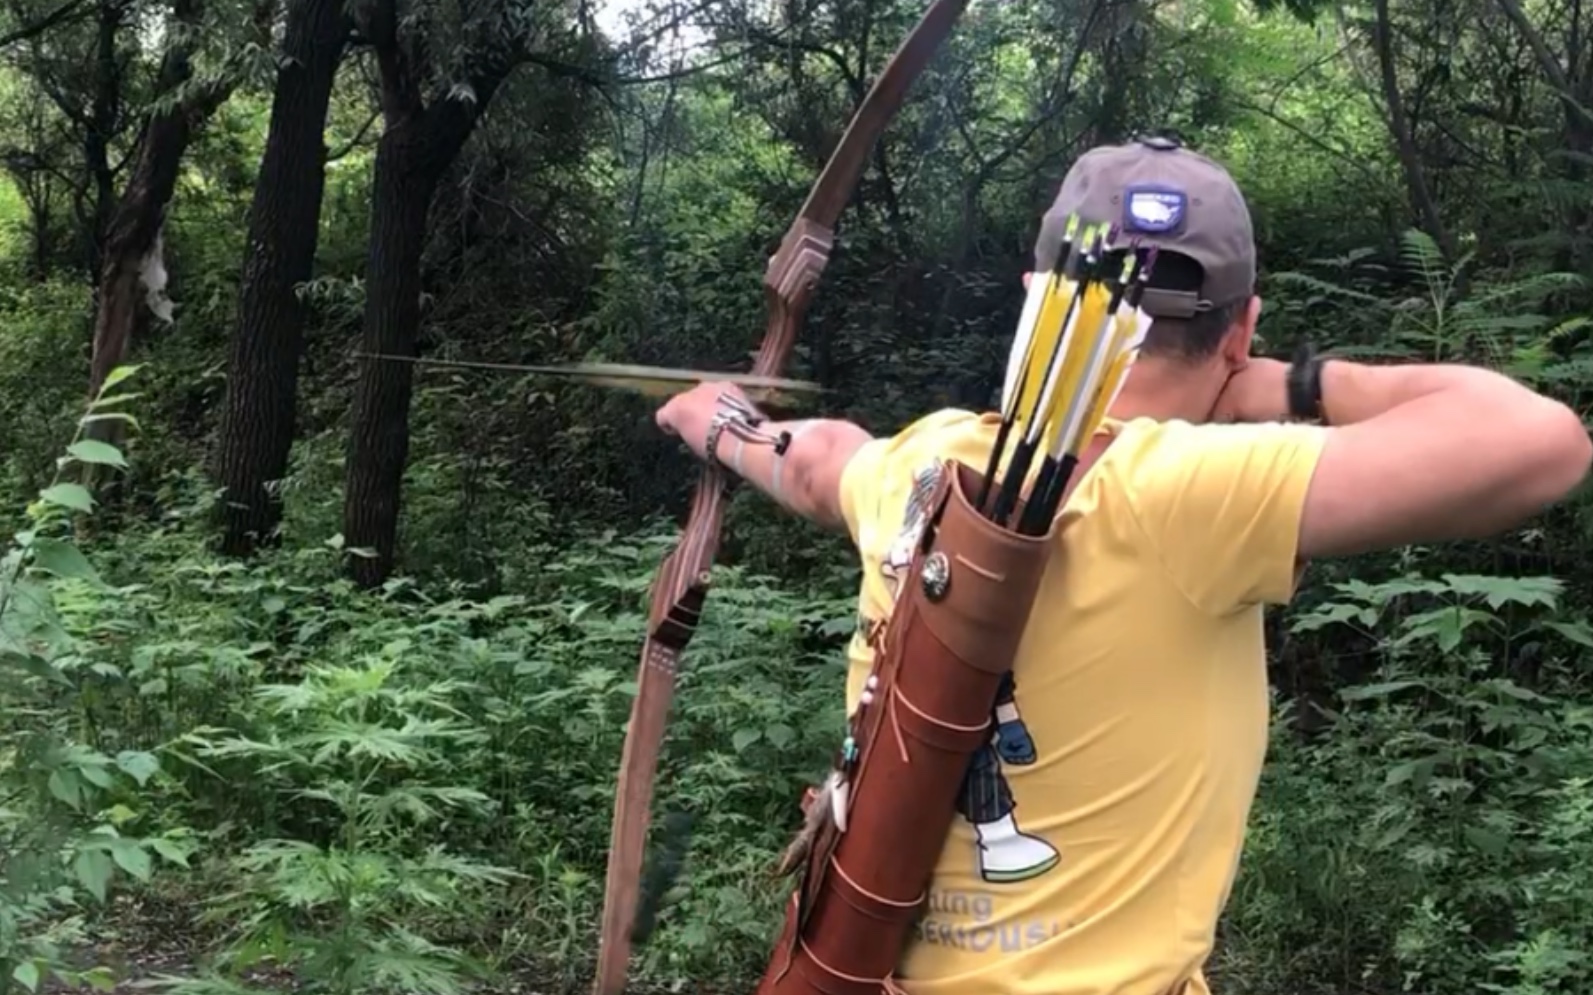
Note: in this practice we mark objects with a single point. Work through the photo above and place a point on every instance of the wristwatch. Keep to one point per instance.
(1305, 386)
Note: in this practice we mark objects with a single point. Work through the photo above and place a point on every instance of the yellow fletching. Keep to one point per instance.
(1125, 327)
(1047, 330)
(1076, 363)
(1040, 287)
(1074, 357)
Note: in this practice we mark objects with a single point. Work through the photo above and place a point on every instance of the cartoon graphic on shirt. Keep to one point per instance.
(1005, 852)
(900, 556)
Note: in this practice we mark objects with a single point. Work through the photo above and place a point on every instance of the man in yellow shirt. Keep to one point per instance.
(1102, 828)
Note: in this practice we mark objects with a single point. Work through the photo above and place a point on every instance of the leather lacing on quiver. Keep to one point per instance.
(813, 849)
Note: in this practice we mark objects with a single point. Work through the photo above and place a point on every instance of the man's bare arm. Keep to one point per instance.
(1426, 453)
(1435, 453)
(805, 479)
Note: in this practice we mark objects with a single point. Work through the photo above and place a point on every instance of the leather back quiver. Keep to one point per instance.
(959, 618)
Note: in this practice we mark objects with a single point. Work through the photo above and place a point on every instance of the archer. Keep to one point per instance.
(1117, 805)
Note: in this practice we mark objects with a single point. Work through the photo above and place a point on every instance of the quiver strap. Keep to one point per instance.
(959, 618)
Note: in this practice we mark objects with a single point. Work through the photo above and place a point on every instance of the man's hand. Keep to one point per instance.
(687, 415)
(1258, 393)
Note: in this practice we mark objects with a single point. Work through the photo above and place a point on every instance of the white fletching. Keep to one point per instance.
(1027, 321)
(840, 794)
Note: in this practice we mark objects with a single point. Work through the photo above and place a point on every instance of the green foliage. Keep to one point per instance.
(1425, 835)
(409, 790)
(75, 816)
(429, 776)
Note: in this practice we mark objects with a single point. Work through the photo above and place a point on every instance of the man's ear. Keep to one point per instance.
(1236, 344)
(1027, 276)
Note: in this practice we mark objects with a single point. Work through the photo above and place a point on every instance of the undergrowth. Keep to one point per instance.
(409, 789)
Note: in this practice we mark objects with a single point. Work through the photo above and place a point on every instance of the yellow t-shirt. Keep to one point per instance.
(1097, 839)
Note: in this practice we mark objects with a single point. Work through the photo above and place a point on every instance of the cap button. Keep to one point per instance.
(1161, 142)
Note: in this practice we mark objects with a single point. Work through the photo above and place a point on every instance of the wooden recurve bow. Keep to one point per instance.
(683, 578)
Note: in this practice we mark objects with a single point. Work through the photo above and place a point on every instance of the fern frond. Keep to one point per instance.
(1419, 251)
(1327, 288)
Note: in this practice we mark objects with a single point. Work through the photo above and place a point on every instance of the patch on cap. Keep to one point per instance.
(1154, 210)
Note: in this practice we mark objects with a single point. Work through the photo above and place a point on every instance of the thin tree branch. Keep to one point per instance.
(354, 142)
(70, 11)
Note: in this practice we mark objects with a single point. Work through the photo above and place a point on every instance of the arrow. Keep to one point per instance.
(650, 381)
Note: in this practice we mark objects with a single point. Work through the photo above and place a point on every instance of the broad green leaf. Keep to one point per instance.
(26, 974)
(34, 666)
(93, 869)
(743, 738)
(139, 765)
(63, 559)
(95, 775)
(1497, 591)
(173, 852)
(1410, 770)
(95, 451)
(105, 402)
(73, 496)
(120, 416)
(1489, 841)
(132, 858)
(64, 785)
(1383, 690)
(1577, 632)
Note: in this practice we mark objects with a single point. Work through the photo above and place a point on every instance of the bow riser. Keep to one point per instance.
(686, 573)
(788, 284)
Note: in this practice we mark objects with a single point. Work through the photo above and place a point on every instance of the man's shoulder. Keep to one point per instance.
(1183, 442)
(888, 470)
(948, 433)
(947, 426)
(1221, 503)
(1150, 459)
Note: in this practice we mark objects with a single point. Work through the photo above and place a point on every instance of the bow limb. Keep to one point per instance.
(683, 579)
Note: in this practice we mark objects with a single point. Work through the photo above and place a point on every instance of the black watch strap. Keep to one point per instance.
(1305, 385)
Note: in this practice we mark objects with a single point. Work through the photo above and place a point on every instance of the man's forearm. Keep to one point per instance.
(1420, 453)
(1357, 392)
(797, 479)
(803, 478)
(1354, 392)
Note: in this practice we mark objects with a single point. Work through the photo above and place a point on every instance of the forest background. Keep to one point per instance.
(358, 731)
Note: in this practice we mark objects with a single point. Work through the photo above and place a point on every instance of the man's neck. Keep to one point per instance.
(1161, 391)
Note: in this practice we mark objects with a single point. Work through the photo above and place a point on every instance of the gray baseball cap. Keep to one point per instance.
(1168, 196)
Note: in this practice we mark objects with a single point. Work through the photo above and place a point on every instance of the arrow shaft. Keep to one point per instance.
(651, 380)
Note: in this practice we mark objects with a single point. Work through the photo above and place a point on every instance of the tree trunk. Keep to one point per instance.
(410, 161)
(132, 268)
(1421, 197)
(97, 137)
(419, 143)
(131, 259)
(258, 422)
(379, 436)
